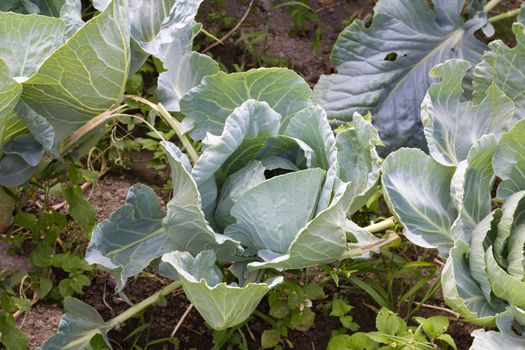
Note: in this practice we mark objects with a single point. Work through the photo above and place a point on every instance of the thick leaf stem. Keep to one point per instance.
(490, 5)
(381, 226)
(94, 123)
(502, 16)
(175, 125)
(172, 122)
(135, 309)
(353, 252)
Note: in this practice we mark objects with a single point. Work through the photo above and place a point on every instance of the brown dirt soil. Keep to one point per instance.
(296, 50)
(40, 323)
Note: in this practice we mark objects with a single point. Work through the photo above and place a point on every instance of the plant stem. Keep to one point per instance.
(358, 251)
(502, 16)
(94, 123)
(490, 5)
(381, 226)
(135, 309)
(173, 123)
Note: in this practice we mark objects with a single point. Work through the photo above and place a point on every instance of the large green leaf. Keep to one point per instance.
(471, 187)
(358, 160)
(167, 32)
(509, 324)
(461, 291)
(288, 202)
(184, 72)
(10, 92)
(234, 187)
(505, 286)
(85, 76)
(453, 125)
(321, 241)
(311, 126)
(513, 211)
(44, 7)
(245, 132)
(80, 323)
(140, 231)
(131, 237)
(209, 104)
(492, 340)
(384, 68)
(221, 305)
(417, 189)
(166, 28)
(21, 158)
(504, 67)
(482, 239)
(184, 69)
(509, 161)
(185, 221)
(27, 41)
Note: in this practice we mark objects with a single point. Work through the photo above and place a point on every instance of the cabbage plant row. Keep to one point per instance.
(274, 188)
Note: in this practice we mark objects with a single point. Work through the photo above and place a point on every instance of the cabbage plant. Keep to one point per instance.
(271, 191)
(457, 208)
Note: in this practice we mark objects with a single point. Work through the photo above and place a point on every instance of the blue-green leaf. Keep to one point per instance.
(245, 132)
(358, 160)
(509, 161)
(27, 41)
(185, 221)
(221, 305)
(234, 187)
(384, 68)
(131, 237)
(80, 323)
(462, 292)
(417, 189)
(471, 187)
(321, 241)
(84, 77)
(209, 104)
(453, 125)
(288, 202)
(311, 126)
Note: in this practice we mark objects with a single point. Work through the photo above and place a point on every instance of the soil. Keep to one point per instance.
(294, 51)
(110, 192)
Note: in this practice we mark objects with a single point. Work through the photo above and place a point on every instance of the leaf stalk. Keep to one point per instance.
(173, 123)
(502, 16)
(490, 5)
(381, 226)
(135, 309)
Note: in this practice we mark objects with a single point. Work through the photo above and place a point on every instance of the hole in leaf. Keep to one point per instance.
(392, 56)
(268, 174)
